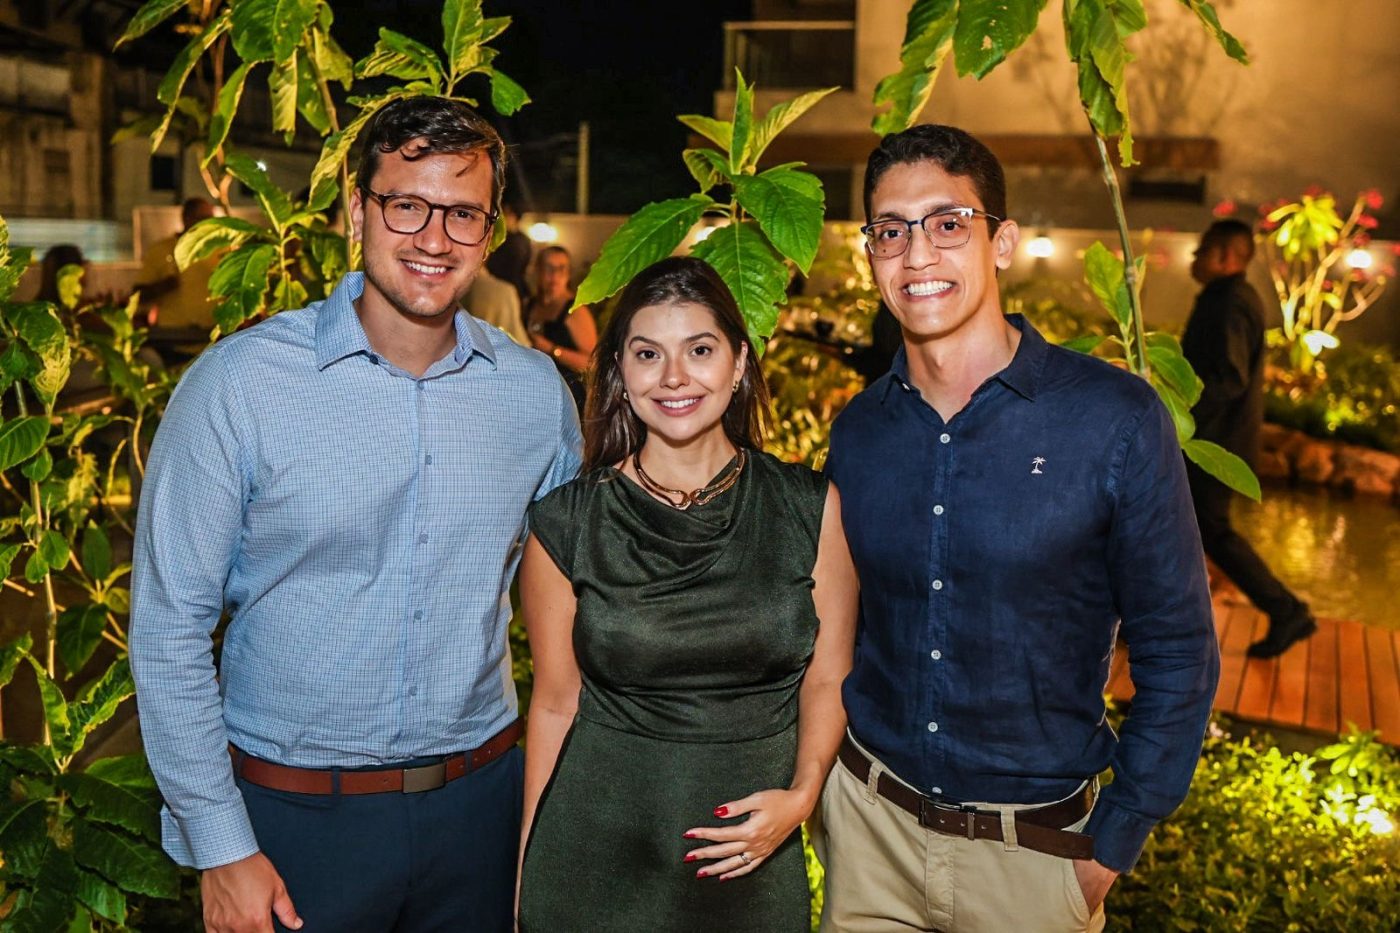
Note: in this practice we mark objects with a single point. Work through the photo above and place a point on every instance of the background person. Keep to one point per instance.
(511, 260)
(349, 482)
(175, 299)
(569, 337)
(690, 605)
(1224, 342)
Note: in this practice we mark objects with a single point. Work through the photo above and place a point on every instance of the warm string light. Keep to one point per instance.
(542, 232)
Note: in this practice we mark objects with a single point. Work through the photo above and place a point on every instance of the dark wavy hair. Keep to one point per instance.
(611, 430)
(443, 125)
(955, 151)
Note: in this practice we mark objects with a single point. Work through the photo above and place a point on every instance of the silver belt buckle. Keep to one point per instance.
(428, 777)
(928, 807)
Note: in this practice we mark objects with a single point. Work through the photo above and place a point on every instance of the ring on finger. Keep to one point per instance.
(745, 857)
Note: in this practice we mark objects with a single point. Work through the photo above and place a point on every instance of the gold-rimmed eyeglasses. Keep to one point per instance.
(947, 228)
(408, 214)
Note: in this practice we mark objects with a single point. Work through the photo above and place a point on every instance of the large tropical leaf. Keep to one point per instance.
(170, 86)
(742, 125)
(130, 771)
(79, 633)
(274, 201)
(21, 439)
(651, 234)
(1096, 32)
(1173, 369)
(791, 220)
(241, 279)
(719, 132)
(779, 118)
(1208, 17)
(330, 58)
(334, 152)
(707, 166)
(282, 86)
(41, 330)
(291, 19)
(48, 905)
(24, 835)
(105, 802)
(928, 37)
(462, 24)
(101, 897)
(1224, 466)
(399, 56)
(151, 15)
(11, 654)
(55, 709)
(1103, 272)
(209, 236)
(990, 30)
(126, 860)
(506, 96)
(754, 273)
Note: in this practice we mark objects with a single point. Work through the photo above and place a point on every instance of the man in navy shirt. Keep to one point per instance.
(1012, 508)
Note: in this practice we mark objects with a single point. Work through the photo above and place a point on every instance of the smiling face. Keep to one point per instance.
(679, 371)
(933, 292)
(421, 275)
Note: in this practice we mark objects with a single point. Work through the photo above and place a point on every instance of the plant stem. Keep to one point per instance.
(1137, 354)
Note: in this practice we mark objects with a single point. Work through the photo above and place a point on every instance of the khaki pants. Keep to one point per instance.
(886, 873)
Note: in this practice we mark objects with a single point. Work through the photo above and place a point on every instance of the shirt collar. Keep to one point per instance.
(339, 333)
(1022, 375)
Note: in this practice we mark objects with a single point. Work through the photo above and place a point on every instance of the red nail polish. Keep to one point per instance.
(690, 858)
(700, 873)
(687, 835)
(721, 811)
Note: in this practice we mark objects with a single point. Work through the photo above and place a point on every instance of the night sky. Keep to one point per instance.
(626, 67)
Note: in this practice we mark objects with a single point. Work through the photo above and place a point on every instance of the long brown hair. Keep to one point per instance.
(611, 429)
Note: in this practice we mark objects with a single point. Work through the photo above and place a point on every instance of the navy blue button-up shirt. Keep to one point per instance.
(999, 554)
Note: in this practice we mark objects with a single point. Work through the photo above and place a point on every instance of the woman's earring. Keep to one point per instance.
(624, 395)
(736, 384)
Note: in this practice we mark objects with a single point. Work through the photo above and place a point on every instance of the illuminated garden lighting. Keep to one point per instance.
(1041, 247)
(704, 233)
(1359, 259)
(1318, 340)
(542, 232)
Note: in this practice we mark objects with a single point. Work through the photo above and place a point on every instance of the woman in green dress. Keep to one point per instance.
(691, 604)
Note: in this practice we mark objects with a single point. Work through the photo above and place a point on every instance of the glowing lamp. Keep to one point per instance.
(1359, 259)
(542, 232)
(1041, 247)
(1318, 340)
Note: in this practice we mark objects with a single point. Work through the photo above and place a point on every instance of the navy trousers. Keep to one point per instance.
(398, 863)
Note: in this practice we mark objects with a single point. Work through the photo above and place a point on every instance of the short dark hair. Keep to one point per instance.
(955, 151)
(611, 429)
(1235, 236)
(442, 124)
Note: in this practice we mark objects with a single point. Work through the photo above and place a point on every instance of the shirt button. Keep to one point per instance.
(421, 387)
(428, 459)
(936, 654)
(422, 539)
(413, 691)
(937, 584)
(374, 359)
(944, 438)
(938, 510)
(937, 790)
(418, 615)
(933, 727)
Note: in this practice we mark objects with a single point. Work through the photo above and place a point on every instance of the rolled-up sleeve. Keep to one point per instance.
(187, 537)
(1159, 584)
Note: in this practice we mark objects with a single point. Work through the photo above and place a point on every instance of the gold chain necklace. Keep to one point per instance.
(699, 496)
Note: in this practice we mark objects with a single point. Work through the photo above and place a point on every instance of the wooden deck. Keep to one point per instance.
(1346, 673)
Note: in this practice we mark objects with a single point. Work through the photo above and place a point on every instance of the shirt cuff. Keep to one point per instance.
(1119, 835)
(210, 839)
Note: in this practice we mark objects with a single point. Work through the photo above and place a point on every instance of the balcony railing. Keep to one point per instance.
(791, 54)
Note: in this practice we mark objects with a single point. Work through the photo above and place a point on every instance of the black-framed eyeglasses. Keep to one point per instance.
(407, 214)
(947, 228)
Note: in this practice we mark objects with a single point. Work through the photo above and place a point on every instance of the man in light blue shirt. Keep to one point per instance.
(348, 481)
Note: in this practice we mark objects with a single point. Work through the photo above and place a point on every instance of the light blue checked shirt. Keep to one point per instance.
(361, 526)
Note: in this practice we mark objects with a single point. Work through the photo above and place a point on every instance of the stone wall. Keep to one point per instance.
(1294, 456)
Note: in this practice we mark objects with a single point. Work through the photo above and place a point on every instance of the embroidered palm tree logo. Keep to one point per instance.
(1036, 464)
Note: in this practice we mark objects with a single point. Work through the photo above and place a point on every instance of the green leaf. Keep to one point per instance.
(241, 278)
(70, 285)
(101, 897)
(55, 708)
(779, 118)
(129, 771)
(334, 152)
(275, 203)
(21, 439)
(97, 552)
(207, 237)
(1086, 344)
(290, 20)
(128, 861)
(12, 653)
(24, 836)
(254, 29)
(282, 86)
(1208, 17)
(1095, 31)
(1224, 466)
(1103, 272)
(174, 81)
(35, 567)
(1177, 407)
(118, 599)
(34, 760)
(707, 167)
(99, 700)
(651, 234)
(104, 802)
(222, 117)
(16, 363)
(151, 15)
(41, 330)
(331, 59)
(754, 273)
(462, 24)
(40, 467)
(55, 549)
(507, 96)
(310, 104)
(49, 904)
(1173, 369)
(990, 30)
(399, 56)
(79, 633)
(928, 37)
(791, 220)
(742, 125)
(719, 132)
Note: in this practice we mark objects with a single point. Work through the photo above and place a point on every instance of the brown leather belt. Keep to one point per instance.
(403, 780)
(1040, 828)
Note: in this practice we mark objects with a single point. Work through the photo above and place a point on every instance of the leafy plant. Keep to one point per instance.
(981, 34)
(1305, 242)
(1353, 395)
(770, 216)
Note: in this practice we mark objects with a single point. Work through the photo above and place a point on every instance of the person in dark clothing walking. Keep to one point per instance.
(1224, 342)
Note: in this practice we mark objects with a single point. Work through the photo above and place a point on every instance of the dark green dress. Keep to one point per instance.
(692, 635)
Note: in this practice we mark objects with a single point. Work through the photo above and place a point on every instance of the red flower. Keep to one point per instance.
(1367, 221)
(1388, 271)
(1326, 285)
(1395, 248)
(1373, 198)
(1225, 208)
(1361, 240)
